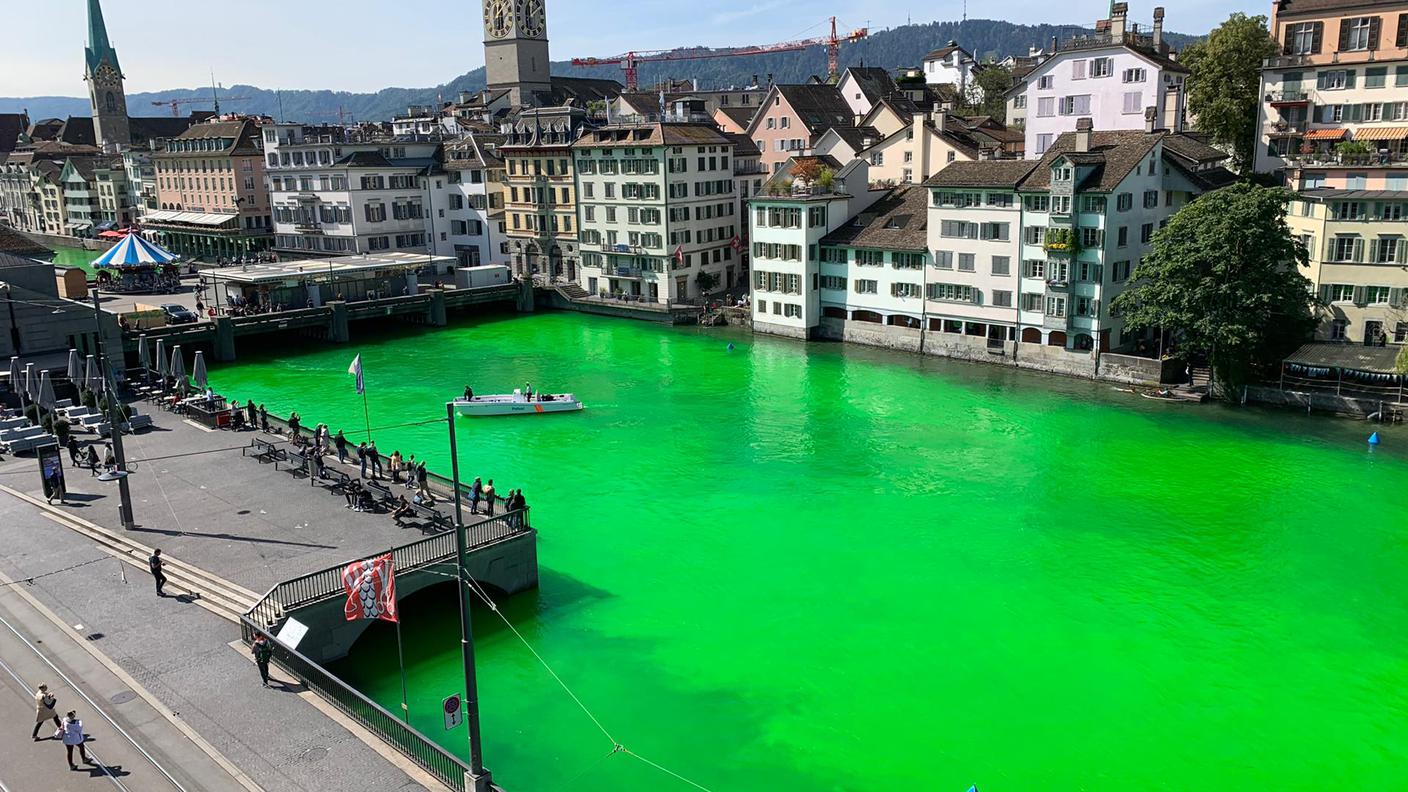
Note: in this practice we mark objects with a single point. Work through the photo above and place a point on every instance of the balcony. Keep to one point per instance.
(1061, 241)
(1287, 98)
(1060, 286)
(1288, 128)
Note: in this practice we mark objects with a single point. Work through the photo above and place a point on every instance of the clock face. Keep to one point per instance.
(534, 18)
(498, 17)
(106, 75)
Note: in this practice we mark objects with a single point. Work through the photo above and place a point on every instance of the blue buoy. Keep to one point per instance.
(730, 347)
(1374, 439)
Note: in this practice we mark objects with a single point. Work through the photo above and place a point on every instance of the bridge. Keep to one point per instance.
(332, 321)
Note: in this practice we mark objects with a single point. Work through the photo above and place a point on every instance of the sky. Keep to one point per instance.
(365, 45)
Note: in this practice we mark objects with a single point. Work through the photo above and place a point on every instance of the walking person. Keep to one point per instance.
(263, 651)
(74, 452)
(44, 703)
(489, 497)
(395, 465)
(156, 564)
(362, 457)
(341, 443)
(476, 491)
(375, 457)
(92, 461)
(74, 738)
(411, 472)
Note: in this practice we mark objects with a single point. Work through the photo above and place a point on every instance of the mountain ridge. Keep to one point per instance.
(896, 47)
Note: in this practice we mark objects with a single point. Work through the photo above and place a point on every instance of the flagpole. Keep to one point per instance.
(366, 416)
(400, 657)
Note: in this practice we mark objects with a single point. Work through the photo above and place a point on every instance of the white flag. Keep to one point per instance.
(356, 368)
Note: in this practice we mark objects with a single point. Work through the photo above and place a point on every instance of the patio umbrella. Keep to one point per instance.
(178, 367)
(161, 369)
(92, 380)
(142, 356)
(14, 374)
(73, 368)
(31, 381)
(46, 391)
(198, 371)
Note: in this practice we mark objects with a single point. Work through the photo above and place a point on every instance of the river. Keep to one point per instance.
(821, 566)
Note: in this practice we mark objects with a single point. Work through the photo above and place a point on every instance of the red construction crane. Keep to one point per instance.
(175, 104)
(632, 60)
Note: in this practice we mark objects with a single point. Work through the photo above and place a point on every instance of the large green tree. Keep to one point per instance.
(1224, 84)
(991, 82)
(1225, 278)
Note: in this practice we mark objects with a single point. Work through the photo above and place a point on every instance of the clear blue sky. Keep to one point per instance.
(362, 45)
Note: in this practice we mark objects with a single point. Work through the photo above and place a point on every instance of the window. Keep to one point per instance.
(1093, 203)
(1002, 299)
(833, 282)
(1132, 102)
(1334, 80)
(957, 229)
(1151, 199)
(1036, 235)
(1377, 295)
(1061, 204)
(1043, 142)
(1338, 329)
(376, 213)
(966, 262)
(1146, 233)
(1124, 202)
(904, 290)
(1120, 271)
(1388, 250)
(1037, 203)
(911, 261)
(994, 231)
(1346, 248)
(1359, 33)
(1376, 78)
(1034, 268)
(1134, 75)
(950, 292)
(1045, 83)
(1340, 292)
(1033, 302)
(999, 199)
(1078, 70)
(789, 310)
(943, 259)
(1045, 106)
(1001, 265)
(1056, 306)
(1076, 104)
(1400, 333)
(870, 258)
(1101, 67)
(1303, 38)
(867, 287)
(1091, 237)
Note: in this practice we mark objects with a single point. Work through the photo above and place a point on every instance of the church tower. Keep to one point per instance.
(104, 77)
(516, 48)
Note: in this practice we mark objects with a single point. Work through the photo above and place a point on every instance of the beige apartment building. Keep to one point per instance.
(212, 199)
(540, 203)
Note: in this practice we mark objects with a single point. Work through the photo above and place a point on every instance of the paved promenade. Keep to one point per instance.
(203, 503)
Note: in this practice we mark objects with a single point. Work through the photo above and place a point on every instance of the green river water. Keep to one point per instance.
(76, 257)
(828, 567)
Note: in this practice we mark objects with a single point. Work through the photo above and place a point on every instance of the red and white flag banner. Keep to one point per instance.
(371, 589)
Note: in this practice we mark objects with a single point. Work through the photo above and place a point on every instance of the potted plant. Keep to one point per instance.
(826, 179)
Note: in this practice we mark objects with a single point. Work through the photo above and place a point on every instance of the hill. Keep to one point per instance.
(900, 46)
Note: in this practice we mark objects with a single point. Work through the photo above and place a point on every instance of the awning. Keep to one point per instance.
(1326, 134)
(188, 218)
(1353, 357)
(1381, 133)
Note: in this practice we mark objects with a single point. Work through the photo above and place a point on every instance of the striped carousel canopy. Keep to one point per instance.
(132, 251)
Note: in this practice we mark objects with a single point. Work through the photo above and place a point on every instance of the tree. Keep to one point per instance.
(707, 281)
(1224, 83)
(991, 81)
(1224, 277)
(807, 170)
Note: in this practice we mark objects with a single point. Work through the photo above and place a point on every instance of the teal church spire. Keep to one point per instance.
(98, 50)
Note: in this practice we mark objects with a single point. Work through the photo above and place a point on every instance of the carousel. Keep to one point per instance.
(137, 266)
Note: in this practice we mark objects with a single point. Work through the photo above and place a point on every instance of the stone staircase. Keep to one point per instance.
(572, 291)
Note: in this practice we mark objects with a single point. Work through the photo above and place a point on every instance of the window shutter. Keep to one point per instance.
(1325, 294)
(1344, 35)
(1287, 47)
(1375, 23)
(1322, 79)
(1349, 76)
(1395, 297)
(1358, 249)
(1402, 39)
(1358, 295)
(1318, 38)
(977, 297)
(1401, 251)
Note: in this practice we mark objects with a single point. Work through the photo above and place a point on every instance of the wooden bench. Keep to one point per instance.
(299, 462)
(430, 515)
(383, 494)
(266, 451)
(335, 480)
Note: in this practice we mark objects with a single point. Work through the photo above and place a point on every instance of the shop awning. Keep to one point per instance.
(1381, 133)
(1326, 134)
(188, 218)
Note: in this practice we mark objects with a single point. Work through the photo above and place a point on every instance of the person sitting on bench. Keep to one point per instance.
(320, 469)
(353, 493)
(403, 509)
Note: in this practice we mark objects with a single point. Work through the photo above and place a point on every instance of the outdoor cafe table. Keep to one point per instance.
(210, 412)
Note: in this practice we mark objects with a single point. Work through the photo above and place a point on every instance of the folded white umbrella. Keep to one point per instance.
(198, 371)
(74, 371)
(46, 391)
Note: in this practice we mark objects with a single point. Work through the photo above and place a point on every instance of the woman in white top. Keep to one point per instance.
(73, 736)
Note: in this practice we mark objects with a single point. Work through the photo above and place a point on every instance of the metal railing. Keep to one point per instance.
(325, 584)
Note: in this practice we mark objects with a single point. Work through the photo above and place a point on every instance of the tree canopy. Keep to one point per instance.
(1225, 278)
(1224, 83)
(991, 82)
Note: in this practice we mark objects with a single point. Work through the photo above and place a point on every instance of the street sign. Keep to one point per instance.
(454, 713)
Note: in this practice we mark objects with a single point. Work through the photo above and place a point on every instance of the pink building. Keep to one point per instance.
(791, 118)
(211, 195)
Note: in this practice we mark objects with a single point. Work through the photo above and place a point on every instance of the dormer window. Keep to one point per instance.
(1062, 173)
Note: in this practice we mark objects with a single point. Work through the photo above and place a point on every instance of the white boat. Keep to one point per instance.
(515, 404)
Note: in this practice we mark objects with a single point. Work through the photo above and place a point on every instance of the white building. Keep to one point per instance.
(657, 209)
(334, 191)
(467, 202)
(953, 65)
(1111, 77)
(787, 223)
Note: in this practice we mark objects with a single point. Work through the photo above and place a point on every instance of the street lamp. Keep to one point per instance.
(479, 779)
(124, 491)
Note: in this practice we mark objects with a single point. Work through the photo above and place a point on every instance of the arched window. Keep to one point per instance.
(111, 101)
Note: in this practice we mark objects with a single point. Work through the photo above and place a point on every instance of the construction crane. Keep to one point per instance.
(175, 104)
(631, 60)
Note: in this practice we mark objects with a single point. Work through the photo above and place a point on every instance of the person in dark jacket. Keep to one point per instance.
(263, 652)
(156, 565)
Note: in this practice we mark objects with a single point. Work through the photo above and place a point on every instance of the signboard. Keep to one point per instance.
(51, 471)
(454, 713)
(291, 634)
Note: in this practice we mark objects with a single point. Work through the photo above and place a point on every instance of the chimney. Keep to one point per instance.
(1084, 126)
(1053, 45)
(1151, 119)
(1159, 29)
(1118, 14)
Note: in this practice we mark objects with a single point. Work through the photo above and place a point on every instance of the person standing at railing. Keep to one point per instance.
(340, 442)
(476, 491)
(489, 497)
(375, 457)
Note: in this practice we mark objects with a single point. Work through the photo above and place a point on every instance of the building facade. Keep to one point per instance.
(791, 118)
(658, 206)
(540, 204)
(1111, 77)
(212, 195)
(516, 49)
(467, 202)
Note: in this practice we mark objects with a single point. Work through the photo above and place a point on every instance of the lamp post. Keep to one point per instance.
(124, 492)
(479, 779)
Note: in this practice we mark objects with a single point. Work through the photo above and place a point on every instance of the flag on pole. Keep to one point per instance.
(371, 589)
(356, 368)
(679, 255)
(736, 243)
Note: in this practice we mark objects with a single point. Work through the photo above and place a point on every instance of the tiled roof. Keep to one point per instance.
(12, 125)
(652, 135)
(241, 134)
(944, 52)
(743, 116)
(819, 107)
(149, 128)
(743, 146)
(856, 137)
(17, 244)
(873, 81)
(1284, 7)
(1193, 149)
(899, 221)
(1114, 154)
(987, 173)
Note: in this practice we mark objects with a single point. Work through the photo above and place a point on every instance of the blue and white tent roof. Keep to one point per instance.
(133, 250)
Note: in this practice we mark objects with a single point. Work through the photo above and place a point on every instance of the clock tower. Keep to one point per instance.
(516, 49)
(104, 76)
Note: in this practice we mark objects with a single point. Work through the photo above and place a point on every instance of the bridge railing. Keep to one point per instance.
(326, 584)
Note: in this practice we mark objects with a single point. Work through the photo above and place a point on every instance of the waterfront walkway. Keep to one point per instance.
(205, 504)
